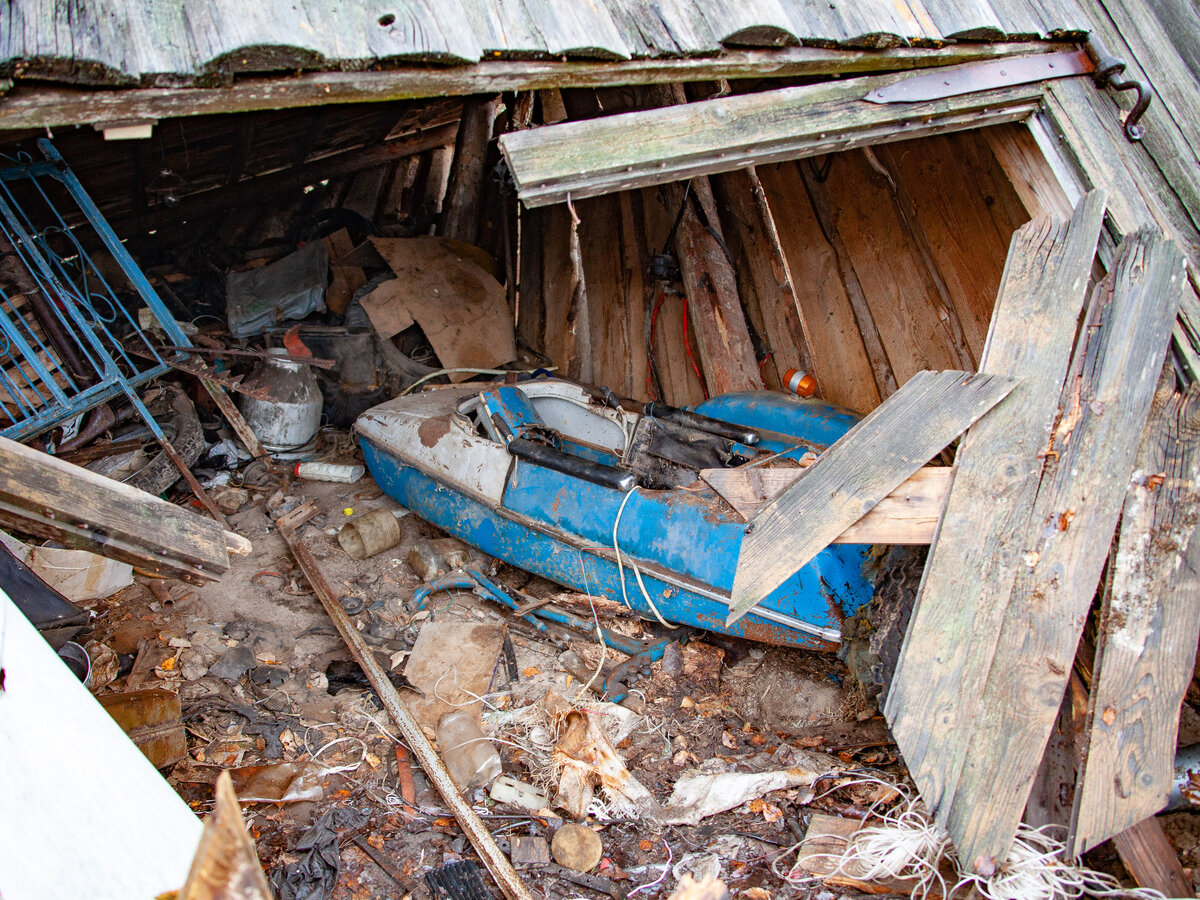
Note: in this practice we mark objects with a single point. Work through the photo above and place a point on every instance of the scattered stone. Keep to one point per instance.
(234, 663)
(272, 676)
(577, 847)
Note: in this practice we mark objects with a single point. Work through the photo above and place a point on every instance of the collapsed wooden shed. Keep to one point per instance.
(717, 204)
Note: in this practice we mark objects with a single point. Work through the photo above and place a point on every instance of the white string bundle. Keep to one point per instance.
(905, 844)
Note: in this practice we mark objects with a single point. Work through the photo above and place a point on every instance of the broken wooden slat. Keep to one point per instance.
(908, 515)
(1149, 628)
(1149, 857)
(54, 499)
(949, 644)
(1065, 543)
(853, 475)
(614, 153)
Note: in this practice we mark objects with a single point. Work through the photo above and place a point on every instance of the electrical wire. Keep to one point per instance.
(636, 571)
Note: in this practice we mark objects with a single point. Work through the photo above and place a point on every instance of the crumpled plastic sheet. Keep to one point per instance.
(315, 874)
(290, 288)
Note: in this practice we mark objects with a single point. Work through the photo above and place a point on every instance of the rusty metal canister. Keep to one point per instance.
(292, 415)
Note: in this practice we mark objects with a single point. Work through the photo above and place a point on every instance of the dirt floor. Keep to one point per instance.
(269, 690)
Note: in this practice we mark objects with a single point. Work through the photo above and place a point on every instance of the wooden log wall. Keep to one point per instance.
(863, 267)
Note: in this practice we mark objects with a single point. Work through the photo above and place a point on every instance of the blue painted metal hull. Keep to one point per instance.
(685, 543)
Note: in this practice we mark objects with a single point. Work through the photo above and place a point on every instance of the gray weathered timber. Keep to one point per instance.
(951, 639)
(635, 149)
(852, 476)
(49, 107)
(1065, 543)
(1149, 630)
(116, 42)
(50, 498)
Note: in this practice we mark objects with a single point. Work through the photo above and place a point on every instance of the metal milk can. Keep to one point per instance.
(290, 419)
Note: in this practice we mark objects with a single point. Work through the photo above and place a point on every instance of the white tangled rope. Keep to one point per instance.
(904, 844)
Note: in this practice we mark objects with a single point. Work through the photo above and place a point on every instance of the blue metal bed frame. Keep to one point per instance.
(42, 391)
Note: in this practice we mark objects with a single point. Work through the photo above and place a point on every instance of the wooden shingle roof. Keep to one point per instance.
(172, 42)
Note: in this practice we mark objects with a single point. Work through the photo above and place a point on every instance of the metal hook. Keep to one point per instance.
(1108, 73)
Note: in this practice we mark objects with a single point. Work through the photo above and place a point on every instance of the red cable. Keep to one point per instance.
(688, 348)
(662, 295)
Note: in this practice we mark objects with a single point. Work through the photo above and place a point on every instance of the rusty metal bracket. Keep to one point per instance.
(1108, 73)
(968, 79)
(481, 839)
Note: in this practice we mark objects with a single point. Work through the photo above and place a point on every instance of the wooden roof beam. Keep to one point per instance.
(29, 106)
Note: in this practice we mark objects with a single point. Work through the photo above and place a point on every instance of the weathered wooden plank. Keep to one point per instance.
(1018, 155)
(864, 466)
(950, 641)
(906, 306)
(27, 106)
(680, 386)
(1149, 629)
(1151, 860)
(966, 20)
(908, 515)
(964, 223)
(600, 240)
(51, 498)
(652, 147)
(818, 195)
(1064, 546)
(635, 290)
(839, 359)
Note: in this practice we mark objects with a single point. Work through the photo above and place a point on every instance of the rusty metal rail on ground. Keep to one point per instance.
(481, 839)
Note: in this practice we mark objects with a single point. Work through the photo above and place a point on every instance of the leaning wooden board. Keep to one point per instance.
(1149, 627)
(860, 469)
(1105, 404)
(45, 496)
(951, 639)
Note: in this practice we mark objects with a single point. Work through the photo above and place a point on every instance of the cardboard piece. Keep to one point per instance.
(446, 288)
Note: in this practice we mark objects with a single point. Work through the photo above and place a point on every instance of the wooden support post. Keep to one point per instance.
(951, 638)
(1149, 628)
(464, 195)
(710, 283)
(864, 466)
(749, 227)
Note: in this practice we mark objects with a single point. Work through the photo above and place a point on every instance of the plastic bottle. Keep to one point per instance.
(800, 383)
(317, 471)
(470, 757)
